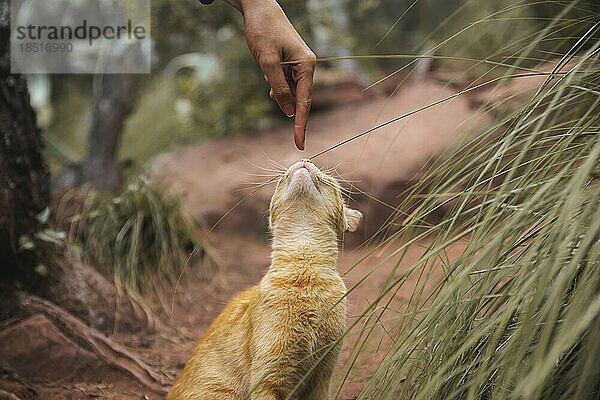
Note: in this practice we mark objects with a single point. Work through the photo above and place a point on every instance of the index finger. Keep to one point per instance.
(303, 103)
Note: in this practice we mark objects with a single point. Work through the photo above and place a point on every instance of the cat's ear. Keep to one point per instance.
(353, 219)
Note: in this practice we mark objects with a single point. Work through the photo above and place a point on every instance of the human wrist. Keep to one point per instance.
(251, 6)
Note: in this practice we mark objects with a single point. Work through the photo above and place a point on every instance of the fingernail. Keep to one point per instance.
(289, 110)
(300, 145)
(298, 142)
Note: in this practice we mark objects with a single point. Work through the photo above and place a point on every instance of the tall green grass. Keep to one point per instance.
(517, 313)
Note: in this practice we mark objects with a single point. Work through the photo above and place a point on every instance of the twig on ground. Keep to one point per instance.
(94, 341)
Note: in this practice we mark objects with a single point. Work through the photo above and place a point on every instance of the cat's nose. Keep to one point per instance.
(305, 162)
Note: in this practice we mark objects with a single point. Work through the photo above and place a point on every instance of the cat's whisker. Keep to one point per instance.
(254, 183)
(344, 190)
(269, 180)
(272, 171)
(279, 171)
(329, 170)
(274, 163)
(342, 177)
(262, 175)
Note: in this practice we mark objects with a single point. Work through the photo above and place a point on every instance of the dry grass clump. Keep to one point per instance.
(141, 238)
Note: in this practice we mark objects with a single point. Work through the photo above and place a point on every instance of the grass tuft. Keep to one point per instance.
(140, 238)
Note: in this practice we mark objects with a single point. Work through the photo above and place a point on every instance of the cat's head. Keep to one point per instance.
(305, 192)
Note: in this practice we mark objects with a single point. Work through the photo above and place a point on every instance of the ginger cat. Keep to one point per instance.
(270, 336)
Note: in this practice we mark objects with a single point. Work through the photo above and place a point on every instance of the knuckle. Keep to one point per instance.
(300, 127)
(281, 91)
(270, 60)
(306, 103)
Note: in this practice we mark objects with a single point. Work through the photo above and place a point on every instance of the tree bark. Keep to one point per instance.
(112, 105)
(24, 177)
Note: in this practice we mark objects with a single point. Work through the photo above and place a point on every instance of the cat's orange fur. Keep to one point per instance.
(270, 336)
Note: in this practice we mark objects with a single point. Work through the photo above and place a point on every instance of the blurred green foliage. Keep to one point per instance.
(154, 125)
(503, 29)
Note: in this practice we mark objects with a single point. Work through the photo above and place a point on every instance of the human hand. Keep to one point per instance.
(272, 40)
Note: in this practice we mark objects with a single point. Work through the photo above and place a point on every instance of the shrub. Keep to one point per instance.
(141, 238)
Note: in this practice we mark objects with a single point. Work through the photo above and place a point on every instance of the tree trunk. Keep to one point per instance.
(112, 105)
(24, 178)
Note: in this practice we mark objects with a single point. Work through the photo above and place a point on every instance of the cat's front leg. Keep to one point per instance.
(277, 356)
(271, 378)
(318, 385)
